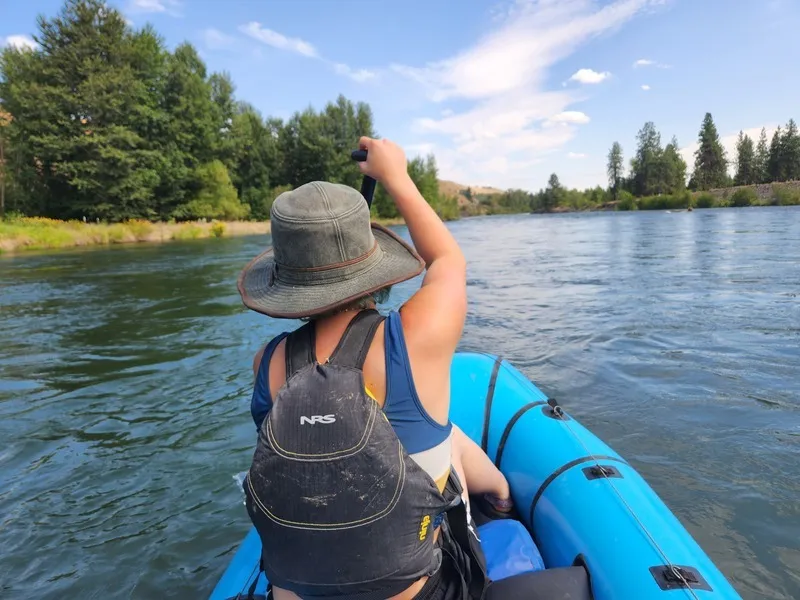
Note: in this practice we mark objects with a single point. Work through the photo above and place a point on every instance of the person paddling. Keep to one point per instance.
(359, 485)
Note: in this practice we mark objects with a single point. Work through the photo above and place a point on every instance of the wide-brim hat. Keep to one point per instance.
(325, 254)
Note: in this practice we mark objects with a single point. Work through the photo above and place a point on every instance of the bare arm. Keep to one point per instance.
(433, 319)
(480, 474)
(438, 310)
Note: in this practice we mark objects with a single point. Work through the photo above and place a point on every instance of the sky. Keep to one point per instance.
(503, 93)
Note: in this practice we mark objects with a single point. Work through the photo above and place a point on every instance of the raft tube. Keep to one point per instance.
(583, 504)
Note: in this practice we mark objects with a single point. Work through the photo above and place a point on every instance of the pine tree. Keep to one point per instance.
(674, 169)
(761, 160)
(5, 121)
(710, 165)
(774, 163)
(553, 194)
(615, 169)
(745, 161)
(790, 152)
(646, 167)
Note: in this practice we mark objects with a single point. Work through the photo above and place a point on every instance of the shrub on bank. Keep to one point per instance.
(626, 201)
(744, 197)
(783, 196)
(218, 229)
(666, 201)
(705, 200)
(39, 233)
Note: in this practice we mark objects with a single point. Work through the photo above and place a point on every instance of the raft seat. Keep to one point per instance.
(516, 567)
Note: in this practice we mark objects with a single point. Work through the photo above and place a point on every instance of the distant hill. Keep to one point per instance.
(451, 188)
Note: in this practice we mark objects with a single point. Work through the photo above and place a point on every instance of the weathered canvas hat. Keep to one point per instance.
(325, 253)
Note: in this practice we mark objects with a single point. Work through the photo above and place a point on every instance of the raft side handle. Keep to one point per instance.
(676, 577)
(601, 471)
(554, 411)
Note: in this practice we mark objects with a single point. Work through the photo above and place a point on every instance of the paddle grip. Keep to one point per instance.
(368, 183)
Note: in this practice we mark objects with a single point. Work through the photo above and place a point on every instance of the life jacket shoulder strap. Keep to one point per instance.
(300, 349)
(356, 340)
(351, 351)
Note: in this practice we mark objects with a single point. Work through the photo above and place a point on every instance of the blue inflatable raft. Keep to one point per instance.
(589, 526)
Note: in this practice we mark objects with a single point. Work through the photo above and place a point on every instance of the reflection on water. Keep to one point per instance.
(125, 383)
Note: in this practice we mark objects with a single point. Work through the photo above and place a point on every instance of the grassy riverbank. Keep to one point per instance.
(37, 233)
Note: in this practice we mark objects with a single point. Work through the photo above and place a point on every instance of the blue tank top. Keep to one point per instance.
(427, 441)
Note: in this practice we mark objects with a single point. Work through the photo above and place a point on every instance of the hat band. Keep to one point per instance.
(329, 273)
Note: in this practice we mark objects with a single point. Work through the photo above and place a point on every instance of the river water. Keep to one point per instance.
(125, 383)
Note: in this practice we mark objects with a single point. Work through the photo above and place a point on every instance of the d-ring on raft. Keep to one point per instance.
(590, 527)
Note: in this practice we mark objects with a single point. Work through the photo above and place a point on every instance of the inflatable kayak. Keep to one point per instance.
(588, 525)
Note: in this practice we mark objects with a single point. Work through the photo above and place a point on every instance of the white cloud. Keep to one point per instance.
(569, 116)
(359, 75)
(646, 87)
(303, 48)
(646, 62)
(421, 149)
(576, 155)
(215, 39)
(512, 120)
(19, 41)
(278, 40)
(589, 76)
(170, 7)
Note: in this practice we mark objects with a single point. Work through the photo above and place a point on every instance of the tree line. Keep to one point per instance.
(654, 171)
(101, 121)
(656, 177)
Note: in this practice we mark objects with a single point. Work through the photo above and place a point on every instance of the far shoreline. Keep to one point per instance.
(41, 234)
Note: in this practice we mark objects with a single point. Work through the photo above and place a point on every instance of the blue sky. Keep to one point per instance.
(503, 93)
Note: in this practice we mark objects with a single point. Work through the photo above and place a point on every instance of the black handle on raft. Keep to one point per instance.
(368, 183)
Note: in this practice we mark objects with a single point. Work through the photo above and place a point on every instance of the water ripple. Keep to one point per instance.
(125, 384)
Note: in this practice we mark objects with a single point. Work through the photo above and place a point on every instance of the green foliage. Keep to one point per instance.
(789, 153)
(615, 169)
(705, 200)
(509, 202)
(626, 201)
(215, 198)
(744, 197)
(218, 229)
(783, 196)
(774, 162)
(666, 201)
(761, 159)
(746, 168)
(425, 175)
(187, 232)
(710, 164)
(261, 200)
(654, 170)
(108, 123)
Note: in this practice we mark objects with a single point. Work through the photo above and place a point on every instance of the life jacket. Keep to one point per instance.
(342, 510)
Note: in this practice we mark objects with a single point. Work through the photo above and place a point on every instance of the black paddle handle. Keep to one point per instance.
(368, 183)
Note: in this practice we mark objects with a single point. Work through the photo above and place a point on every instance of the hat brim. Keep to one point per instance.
(263, 292)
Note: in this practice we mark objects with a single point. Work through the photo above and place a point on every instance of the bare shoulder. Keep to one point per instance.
(257, 359)
(431, 343)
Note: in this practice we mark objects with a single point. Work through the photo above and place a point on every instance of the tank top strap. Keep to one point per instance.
(261, 401)
(417, 430)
